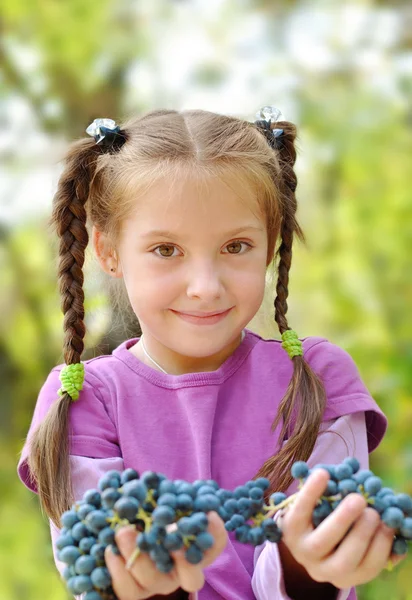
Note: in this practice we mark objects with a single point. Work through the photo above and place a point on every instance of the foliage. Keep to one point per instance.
(353, 285)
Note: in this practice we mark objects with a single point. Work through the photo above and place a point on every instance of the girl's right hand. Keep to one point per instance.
(144, 580)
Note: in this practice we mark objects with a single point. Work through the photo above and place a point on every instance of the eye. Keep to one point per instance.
(168, 247)
(236, 244)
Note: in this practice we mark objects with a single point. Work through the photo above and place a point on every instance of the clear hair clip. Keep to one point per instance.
(102, 127)
(269, 114)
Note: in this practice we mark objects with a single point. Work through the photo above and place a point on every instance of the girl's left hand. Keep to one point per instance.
(350, 547)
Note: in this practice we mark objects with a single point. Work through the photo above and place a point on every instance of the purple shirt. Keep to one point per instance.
(210, 425)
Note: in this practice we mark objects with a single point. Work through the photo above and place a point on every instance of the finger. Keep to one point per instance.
(298, 518)
(143, 569)
(380, 552)
(324, 539)
(217, 530)
(125, 587)
(354, 547)
(190, 576)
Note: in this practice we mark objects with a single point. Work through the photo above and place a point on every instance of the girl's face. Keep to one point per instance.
(211, 257)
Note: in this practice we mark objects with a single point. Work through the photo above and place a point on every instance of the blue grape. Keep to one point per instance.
(84, 510)
(278, 497)
(127, 508)
(404, 502)
(331, 488)
(372, 485)
(69, 554)
(167, 499)
(144, 542)
(231, 506)
(393, 517)
(262, 482)
(69, 518)
(164, 515)
(187, 488)
(106, 536)
(150, 479)
(256, 493)
(173, 541)
(237, 520)
(406, 528)
(206, 503)
(136, 489)
(110, 479)
(110, 496)
(343, 471)
(93, 497)
(399, 546)
(204, 540)
(95, 521)
(128, 475)
(353, 462)
(69, 572)
(205, 489)
(385, 491)
(200, 521)
(184, 502)
(256, 536)
(84, 565)
(65, 540)
(167, 487)
(241, 491)
(159, 554)
(93, 595)
(193, 554)
(361, 476)
(101, 578)
(185, 526)
(378, 504)
(300, 470)
(347, 486)
(98, 552)
(242, 533)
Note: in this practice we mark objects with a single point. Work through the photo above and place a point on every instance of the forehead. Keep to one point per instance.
(192, 203)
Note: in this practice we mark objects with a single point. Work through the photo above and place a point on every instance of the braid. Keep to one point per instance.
(306, 413)
(69, 216)
(49, 458)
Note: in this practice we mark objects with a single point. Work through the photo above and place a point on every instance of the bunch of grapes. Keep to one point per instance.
(346, 478)
(170, 515)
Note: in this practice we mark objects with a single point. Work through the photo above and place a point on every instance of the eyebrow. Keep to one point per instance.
(165, 233)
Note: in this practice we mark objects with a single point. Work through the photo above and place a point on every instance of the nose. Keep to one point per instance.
(205, 281)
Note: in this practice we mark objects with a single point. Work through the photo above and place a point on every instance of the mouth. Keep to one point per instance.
(202, 314)
(203, 318)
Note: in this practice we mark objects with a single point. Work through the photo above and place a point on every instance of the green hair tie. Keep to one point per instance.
(291, 343)
(72, 377)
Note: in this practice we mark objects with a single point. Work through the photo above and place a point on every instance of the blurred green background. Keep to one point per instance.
(340, 70)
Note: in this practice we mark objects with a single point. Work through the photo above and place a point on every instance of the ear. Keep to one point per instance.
(105, 254)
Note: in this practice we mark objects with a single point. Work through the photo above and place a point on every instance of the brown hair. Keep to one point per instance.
(95, 189)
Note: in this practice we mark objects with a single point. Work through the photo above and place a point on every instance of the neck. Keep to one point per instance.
(171, 363)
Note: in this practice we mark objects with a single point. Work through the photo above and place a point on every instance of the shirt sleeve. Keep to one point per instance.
(92, 430)
(339, 438)
(345, 390)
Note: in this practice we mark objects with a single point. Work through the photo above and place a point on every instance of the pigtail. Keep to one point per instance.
(303, 405)
(49, 457)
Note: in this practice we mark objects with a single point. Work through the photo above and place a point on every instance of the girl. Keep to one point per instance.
(185, 210)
